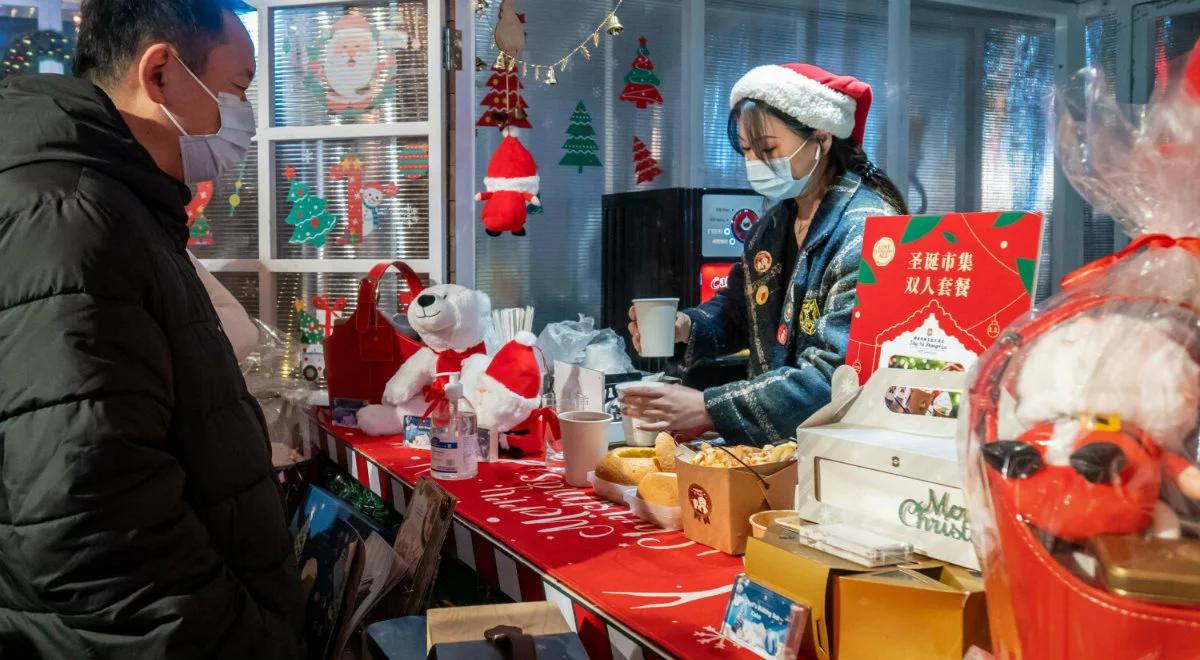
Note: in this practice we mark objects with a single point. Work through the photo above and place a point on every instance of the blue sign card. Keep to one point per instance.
(418, 432)
(764, 622)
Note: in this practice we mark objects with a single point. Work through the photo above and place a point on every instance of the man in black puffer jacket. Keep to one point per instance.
(138, 516)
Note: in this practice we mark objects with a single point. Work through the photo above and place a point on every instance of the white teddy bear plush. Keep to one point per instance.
(451, 320)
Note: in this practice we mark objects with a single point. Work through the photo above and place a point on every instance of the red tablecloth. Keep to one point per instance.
(660, 585)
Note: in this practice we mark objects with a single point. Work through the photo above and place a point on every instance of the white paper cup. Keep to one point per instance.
(634, 437)
(656, 324)
(585, 442)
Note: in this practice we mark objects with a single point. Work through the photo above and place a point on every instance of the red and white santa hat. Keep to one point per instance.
(810, 95)
(516, 367)
(512, 166)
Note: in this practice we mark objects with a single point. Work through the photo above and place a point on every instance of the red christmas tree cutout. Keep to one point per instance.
(505, 105)
(645, 164)
(641, 85)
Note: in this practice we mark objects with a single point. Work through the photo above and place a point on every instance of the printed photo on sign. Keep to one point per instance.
(763, 621)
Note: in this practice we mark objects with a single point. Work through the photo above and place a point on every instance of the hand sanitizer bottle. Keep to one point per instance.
(454, 444)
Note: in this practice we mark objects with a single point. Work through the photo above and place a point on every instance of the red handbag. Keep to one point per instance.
(366, 350)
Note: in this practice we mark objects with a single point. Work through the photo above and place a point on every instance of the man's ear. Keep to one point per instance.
(153, 71)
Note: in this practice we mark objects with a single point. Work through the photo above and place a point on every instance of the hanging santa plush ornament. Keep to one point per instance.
(512, 183)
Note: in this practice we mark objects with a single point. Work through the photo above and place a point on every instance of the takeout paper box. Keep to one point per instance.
(717, 502)
(893, 473)
(906, 614)
(468, 624)
(806, 575)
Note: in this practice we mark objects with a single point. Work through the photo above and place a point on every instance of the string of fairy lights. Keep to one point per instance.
(29, 50)
(545, 71)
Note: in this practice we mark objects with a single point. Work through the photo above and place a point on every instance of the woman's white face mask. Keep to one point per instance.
(772, 178)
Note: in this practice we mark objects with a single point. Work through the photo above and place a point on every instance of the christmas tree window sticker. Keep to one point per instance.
(580, 146)
(309, 217)
(351, 68)
(363, 199)
(199, 230)
(641, 85)
(504, 105)
(645, 166)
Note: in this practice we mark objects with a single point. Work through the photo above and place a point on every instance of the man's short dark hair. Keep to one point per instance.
(113, 32)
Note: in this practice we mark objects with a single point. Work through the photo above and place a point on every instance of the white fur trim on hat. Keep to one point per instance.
(529, 184)
(801, 98)
(525, 338)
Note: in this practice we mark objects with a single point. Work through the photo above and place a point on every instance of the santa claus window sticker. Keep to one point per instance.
(364, 65)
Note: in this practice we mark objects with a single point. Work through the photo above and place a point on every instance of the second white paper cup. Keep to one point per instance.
(634, 437)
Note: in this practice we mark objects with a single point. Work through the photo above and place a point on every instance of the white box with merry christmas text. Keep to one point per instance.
(884, 457)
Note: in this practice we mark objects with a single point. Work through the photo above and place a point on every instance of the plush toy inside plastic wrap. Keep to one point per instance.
(1081, 436)
(268, 371)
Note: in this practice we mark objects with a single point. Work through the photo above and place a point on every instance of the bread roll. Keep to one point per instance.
(627, 465)
(664, 452)
(660, 488)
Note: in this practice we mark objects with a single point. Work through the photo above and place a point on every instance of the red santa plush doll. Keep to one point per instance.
(512, 183)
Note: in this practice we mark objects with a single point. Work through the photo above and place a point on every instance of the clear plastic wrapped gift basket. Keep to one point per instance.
(1081, 437)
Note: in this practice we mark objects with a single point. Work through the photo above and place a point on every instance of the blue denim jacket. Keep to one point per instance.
(796, 325)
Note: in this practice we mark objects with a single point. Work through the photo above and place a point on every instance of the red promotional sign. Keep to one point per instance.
(712, 279)
(934, 292)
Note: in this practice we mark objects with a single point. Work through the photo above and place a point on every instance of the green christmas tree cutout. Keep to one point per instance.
(310, 329)
(309, 216)
(641, 85)
(581, 148)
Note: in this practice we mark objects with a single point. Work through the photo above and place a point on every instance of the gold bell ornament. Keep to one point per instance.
(613, 26)
(550, 79)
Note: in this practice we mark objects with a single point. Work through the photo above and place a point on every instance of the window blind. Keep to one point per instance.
(844, 37)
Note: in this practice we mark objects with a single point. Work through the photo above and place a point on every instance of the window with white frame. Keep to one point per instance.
(348, 169)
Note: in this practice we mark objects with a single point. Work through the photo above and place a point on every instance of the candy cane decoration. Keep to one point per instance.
(362, 198)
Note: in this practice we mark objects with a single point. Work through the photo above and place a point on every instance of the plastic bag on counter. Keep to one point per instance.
(579, 342)
(1080, 437)
(284, 398)
(607, 353)
(566, 341)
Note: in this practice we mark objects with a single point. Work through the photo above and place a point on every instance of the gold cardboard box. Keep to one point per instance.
(927, 613)
(780, 562)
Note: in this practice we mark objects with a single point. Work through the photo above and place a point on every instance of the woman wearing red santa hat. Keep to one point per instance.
(789, 300)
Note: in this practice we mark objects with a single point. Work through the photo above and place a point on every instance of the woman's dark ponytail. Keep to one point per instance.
(848, 155)
(845, 154)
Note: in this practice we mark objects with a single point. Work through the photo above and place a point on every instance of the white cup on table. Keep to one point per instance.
(633, 436)
(656, 324)
(584, 443)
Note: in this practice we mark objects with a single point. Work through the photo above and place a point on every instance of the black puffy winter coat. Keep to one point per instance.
(138, 517)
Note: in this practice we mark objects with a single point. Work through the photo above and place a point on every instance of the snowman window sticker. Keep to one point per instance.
(352, 66)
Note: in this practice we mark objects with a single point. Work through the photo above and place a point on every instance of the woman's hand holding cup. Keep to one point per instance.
(683, 328)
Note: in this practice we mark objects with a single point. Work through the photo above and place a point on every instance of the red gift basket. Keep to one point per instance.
(1083, 419)
(366, 350)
